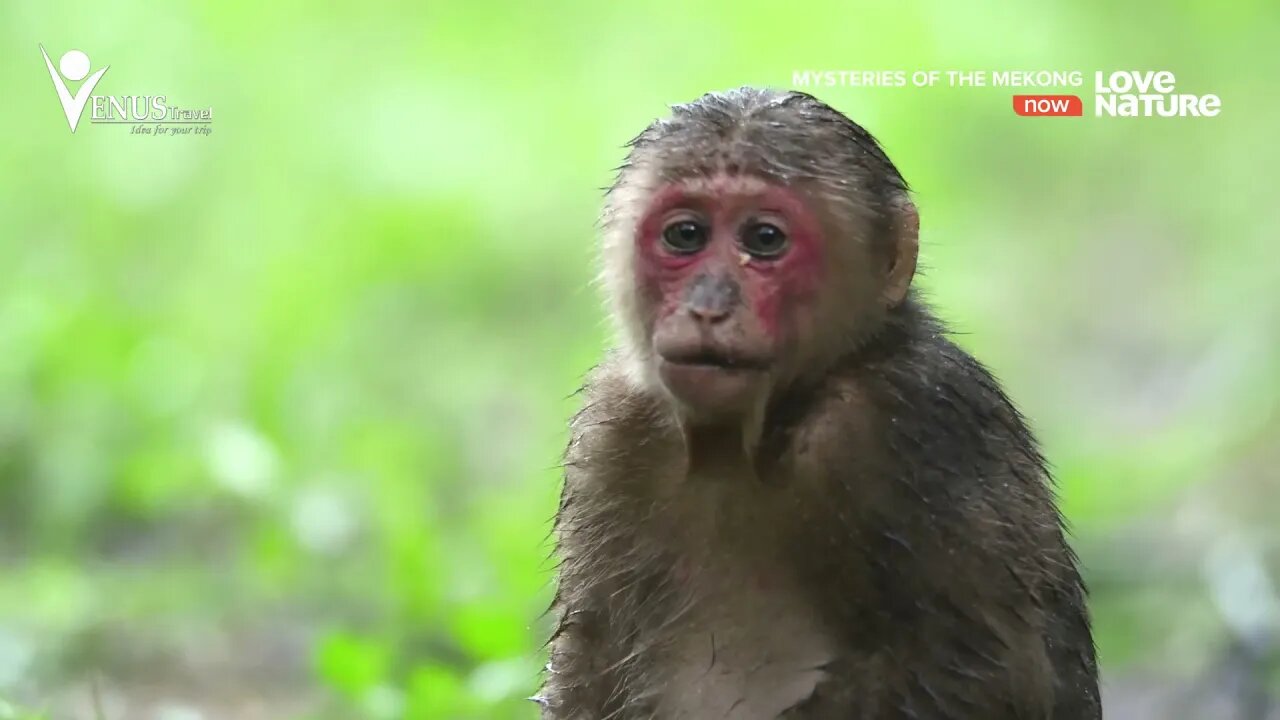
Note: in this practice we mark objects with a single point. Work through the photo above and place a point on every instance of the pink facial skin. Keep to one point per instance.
(727, 204)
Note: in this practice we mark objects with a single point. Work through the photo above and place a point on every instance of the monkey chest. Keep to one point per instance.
(748, 647)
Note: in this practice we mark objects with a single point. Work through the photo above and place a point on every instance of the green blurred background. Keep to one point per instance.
(280, 407)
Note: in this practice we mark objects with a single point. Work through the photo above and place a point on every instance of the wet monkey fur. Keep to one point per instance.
(787, 493)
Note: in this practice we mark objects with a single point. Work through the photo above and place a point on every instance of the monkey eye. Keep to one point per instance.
(685, 237)
(763, 240)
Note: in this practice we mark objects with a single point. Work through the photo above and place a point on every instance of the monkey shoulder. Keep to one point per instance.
(619, 440)
(608, 575)
(942, 422)
(921, 413)
(953, 516)
(619, 434)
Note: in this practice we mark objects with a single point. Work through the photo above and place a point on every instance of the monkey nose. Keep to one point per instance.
(708, 314)
(711, 298)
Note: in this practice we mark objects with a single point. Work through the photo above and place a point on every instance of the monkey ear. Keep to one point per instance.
(906, 245)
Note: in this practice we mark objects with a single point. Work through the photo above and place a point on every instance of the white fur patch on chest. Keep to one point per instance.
(743, 642)
(748, 653)
(749, 647)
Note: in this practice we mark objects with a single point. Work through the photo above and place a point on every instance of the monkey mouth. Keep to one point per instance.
(713, 381)
(715, 359)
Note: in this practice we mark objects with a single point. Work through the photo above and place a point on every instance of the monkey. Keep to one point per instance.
(787, 493)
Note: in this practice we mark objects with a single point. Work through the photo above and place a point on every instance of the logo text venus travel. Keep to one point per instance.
(148, 114)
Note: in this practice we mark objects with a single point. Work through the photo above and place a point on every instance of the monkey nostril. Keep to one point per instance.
(711, 298)
(708, 315)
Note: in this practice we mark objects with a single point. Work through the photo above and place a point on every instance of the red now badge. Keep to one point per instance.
(1048, 105)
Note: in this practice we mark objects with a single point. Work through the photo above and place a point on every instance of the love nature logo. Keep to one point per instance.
(147, 114)
(1116, 94)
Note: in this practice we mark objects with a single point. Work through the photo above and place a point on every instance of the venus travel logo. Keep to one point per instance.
(146, 114)
(73, 66)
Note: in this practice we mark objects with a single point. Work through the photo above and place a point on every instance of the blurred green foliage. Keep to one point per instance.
(281, 407)
(9, 712)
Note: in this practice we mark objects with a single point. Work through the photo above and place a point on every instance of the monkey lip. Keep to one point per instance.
(714, 360)
(713, 385)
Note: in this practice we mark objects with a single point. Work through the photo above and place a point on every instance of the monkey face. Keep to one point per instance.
(752, 240)
(726, 267)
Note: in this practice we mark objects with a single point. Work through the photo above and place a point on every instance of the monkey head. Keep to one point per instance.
(751, 239)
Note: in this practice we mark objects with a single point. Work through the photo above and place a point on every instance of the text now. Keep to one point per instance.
(1048, 105)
